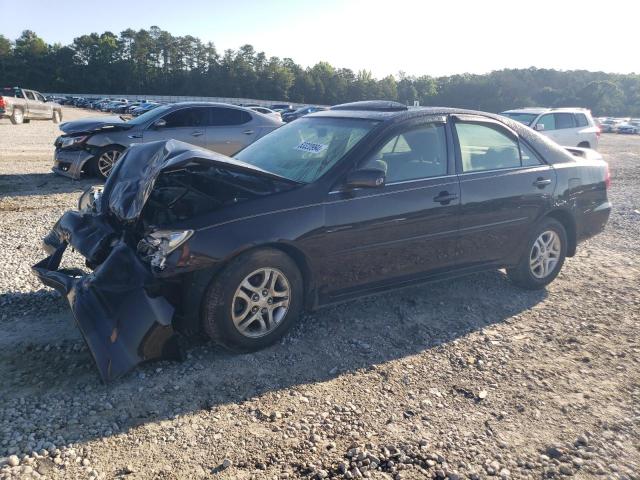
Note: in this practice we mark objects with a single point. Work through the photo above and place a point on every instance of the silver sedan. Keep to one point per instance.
(93, 145)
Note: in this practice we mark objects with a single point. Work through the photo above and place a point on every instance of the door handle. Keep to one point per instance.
(444, 198)
(197, 133)
(542, 182)
(248, 132)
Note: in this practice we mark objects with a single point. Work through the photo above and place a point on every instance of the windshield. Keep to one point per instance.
(305, 149)
(525, 118)
(148, 116)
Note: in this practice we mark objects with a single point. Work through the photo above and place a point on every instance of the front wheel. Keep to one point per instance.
(545, 253)
(56, 116)
(105, 160)
(254, 301)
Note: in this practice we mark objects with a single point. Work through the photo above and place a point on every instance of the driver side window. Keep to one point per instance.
(413, 155)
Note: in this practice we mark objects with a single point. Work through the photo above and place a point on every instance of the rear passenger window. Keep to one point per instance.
(529, 158)
(564, 120)
(581, 120)
(484, 147)
(220, 116)
(415, 154)
(29, 95)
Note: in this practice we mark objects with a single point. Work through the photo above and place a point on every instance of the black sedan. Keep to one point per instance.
(359, 199)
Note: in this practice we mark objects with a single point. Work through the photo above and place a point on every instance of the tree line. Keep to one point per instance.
(155, 62)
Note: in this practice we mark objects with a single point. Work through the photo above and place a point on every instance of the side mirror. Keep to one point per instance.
(161, 123)
(366, 178)
(539, 127)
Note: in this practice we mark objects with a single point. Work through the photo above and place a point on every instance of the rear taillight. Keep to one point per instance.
(1, 102)
(607, 178)
(598, 132)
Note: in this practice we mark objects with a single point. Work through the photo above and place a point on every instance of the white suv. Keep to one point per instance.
(570, 127)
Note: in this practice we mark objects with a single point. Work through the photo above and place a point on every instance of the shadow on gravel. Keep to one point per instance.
(334, 341)
(20, 185)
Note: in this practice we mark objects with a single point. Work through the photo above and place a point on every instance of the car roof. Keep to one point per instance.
(394, 111)
(538, 110)
(208, 104)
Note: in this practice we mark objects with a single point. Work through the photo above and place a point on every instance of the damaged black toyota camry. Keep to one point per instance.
(355, 200)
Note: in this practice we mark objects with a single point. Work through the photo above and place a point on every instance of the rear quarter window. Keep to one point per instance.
(581, 120)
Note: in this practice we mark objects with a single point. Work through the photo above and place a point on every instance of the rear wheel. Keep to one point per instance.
(254, 301)
(18, 116)
(584, 145)
(545, 253)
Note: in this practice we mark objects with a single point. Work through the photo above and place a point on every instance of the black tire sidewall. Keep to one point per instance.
(524, 269)
(216, 305)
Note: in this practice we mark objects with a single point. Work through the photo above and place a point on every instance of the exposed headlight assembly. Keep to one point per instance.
(156, 246)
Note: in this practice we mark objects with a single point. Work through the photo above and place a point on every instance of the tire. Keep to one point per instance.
(584, 145)
(17, 117)
(99, 164)
(56, 117)
(532, 275)
(222, 303)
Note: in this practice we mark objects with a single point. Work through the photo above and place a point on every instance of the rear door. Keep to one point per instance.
(230, 130)
(567, 129)
(186, 124)
(32, 110)
(46, 108)
(505, 187)
(400, 231)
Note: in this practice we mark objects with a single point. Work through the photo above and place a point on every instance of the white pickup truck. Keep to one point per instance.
(21, 106)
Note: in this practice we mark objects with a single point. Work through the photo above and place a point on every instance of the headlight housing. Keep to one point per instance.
(156, 246)
(70, 142)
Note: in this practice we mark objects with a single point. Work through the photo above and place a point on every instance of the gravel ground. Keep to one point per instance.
(470, 378)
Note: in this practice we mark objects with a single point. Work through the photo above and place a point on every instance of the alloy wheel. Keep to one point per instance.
(261, 302)
(106, 161)
(545, 254)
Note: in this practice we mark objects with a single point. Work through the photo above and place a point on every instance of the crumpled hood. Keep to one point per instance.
(127, 189)
(93, 124)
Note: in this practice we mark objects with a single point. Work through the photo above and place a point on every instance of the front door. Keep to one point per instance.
(504, 187)
(400, 231)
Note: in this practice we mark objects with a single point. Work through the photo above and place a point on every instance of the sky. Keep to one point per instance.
(385, 37)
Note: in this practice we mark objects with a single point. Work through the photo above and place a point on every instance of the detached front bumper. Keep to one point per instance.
(70, 162)
(121, 321)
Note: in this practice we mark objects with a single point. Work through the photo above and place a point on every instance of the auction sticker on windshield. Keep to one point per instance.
(311, 147)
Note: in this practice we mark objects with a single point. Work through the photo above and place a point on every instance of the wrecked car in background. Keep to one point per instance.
(355, 200)
(94, 145)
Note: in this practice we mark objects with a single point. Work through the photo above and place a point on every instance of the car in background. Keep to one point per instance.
(608, 125)
(282, 107)
(93, 145)
(20, 105)
(571, 127)
(357, 200)
(631, 127)
(268, 112)
(301, 112)
(143, 108)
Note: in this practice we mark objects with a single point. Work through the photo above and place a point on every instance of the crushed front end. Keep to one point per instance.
(126, 305)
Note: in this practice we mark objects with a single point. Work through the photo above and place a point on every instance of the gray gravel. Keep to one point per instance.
(470, 378)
